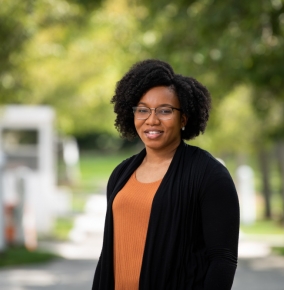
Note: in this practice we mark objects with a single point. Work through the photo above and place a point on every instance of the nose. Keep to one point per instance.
(152, 119)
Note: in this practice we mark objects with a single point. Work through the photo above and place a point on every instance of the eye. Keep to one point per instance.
(164, 111)
(142, 110)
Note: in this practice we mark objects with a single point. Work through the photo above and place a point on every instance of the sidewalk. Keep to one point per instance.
(251, 246)
(87, 235)
(257, 269)
(61, 274)
(260, 273)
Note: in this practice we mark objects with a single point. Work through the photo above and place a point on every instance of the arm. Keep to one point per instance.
(220, 219)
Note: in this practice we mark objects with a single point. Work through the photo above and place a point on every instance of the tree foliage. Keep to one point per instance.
(72, 59)
(72, 56)
(69, 54)
(227, 43)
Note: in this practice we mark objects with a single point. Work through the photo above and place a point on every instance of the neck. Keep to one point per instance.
(159, 156)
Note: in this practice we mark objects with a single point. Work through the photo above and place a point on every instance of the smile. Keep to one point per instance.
(153, 133)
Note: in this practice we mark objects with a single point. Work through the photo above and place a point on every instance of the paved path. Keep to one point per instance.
(60, 274)
(264, 273)
(257, 270)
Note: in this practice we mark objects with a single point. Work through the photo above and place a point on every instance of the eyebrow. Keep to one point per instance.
(162, 105)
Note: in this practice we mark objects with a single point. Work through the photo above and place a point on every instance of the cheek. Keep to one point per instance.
(138, 124)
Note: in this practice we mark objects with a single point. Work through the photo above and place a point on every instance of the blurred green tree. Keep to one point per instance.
(71, 58)
(228, 43)
(70, 53)
(14, 32)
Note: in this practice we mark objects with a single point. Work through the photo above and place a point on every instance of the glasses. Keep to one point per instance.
(162, 113)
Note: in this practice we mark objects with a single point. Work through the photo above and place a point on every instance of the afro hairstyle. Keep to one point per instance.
(194, 98)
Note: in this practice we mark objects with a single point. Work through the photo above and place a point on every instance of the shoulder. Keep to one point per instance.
(211, 168)
(121, 169)
(199, 155)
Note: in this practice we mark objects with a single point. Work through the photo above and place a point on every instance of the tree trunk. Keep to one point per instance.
(280, 160)
(264, 159)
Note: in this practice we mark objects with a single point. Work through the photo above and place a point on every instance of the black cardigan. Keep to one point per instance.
(192, 238)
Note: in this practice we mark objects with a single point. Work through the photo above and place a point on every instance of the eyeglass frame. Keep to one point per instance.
(154, 109)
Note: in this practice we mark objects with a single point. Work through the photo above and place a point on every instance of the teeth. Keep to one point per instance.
(153, 132)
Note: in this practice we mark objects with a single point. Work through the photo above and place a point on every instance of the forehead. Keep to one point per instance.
(158, 96)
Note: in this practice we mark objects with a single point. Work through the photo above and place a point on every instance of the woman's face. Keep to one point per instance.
(159, 134)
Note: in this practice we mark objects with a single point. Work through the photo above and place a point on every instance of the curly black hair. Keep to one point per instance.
(194, 98)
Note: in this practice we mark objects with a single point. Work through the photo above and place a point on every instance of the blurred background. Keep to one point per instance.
(59, 64)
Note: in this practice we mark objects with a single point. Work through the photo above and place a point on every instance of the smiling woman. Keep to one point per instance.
(172, 218)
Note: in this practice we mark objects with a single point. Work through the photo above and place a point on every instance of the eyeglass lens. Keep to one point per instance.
(162, 113)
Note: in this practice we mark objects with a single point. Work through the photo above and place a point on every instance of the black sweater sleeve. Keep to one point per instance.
(220, 221)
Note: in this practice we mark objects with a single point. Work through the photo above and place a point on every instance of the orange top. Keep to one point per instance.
(131, 213)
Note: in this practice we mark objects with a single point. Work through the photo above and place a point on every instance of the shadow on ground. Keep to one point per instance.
(60, 274)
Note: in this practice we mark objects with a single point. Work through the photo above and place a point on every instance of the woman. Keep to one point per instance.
(172, 218)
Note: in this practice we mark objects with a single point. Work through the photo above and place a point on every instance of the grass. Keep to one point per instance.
(96, 168)
(62, 227)
(14, 256)
(263, 227)
(278, 250)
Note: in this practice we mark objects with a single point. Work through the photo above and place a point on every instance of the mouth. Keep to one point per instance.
(152, 134)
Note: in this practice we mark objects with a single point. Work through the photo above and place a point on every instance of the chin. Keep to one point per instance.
(156, 145)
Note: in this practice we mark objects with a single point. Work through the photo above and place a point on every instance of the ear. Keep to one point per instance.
(183, 120)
